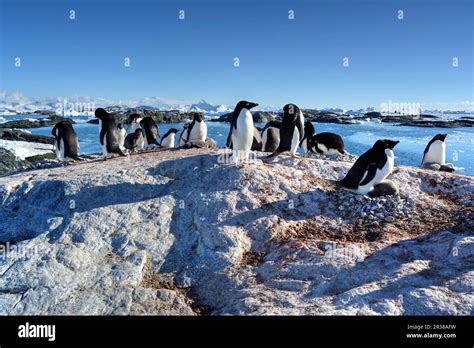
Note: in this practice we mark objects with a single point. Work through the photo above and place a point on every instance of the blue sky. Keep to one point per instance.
(281, 60)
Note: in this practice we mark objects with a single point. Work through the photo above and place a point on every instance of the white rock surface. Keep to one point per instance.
(177, 232)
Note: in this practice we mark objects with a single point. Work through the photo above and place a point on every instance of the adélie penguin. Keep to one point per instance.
(197, 130)
(108, 136)
(434, 156)
(305, 143)
(133, 140)
(122, 133)
(327, 143)
(291, 130)
(168, 140)
(66, 144)
(371, 168)
(241, 132)
(150, 132)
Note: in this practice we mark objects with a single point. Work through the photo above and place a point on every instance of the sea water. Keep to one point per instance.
(358, 138)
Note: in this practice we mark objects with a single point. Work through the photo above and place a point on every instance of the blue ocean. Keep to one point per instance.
(357, 138)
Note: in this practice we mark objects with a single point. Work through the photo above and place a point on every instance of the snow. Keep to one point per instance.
(23, 149)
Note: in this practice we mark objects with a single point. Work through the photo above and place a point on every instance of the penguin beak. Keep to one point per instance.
(394, 143)
(443, 136)
(251, 105)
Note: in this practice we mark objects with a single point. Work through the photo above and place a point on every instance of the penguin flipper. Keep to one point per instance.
(371, 170)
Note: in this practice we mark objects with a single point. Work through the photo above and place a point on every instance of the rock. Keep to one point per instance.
(159, 116)
(175, 232)
(9, 163)
(19, 135)
(51, 120)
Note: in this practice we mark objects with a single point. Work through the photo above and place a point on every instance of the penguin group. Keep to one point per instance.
(367, 175)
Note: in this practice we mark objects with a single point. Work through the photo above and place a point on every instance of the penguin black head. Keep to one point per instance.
(441, 137)
(133, 117)
(243, 104)
(120, 126)
(291, 109)
(385, 144)
(101, 114)
(173, 130)
(198, 117)
(138, 133)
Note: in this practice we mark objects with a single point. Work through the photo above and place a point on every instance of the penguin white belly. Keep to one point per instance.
(242, 137)
(168, 141)
(121, 138)
(436, 153)
(305, 146)
(104, 146)
(327, 151)
(199, 131)
(60, 151)
(380, 174)
(295, 141)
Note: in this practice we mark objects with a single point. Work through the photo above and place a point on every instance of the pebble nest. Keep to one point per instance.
(384, 208)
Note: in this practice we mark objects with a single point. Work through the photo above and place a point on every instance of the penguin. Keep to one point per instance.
(168, 140)
(308, 135)
(66, 144)
(371, 168)
(184, 133)
(197, 130)
(435, 151)
(274, 139)
(241, 132)
(327, 143)
(122, 134)
(133, 140)
(150, 132)
(133, 121)
(291, 130)
(109, 135)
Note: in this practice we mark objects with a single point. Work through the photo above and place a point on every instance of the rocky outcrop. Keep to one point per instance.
(9, 163)
(19, 135)
(160, 116)
(182, 232)
(51, 120)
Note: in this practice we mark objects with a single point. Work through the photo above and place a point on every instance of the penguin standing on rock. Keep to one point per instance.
(197, 130)
(150, 132)
(308, 135)
(122, 133)
(168, 140)
(434, 156)
(291, 130)
(371, 168)
(109, 135)
(241, 133)
(133, 140)
(66, 144)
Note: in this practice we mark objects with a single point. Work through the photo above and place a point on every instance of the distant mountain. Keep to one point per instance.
(204, 106)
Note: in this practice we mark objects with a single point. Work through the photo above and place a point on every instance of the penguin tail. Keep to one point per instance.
(341, 151)
(76, 158)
